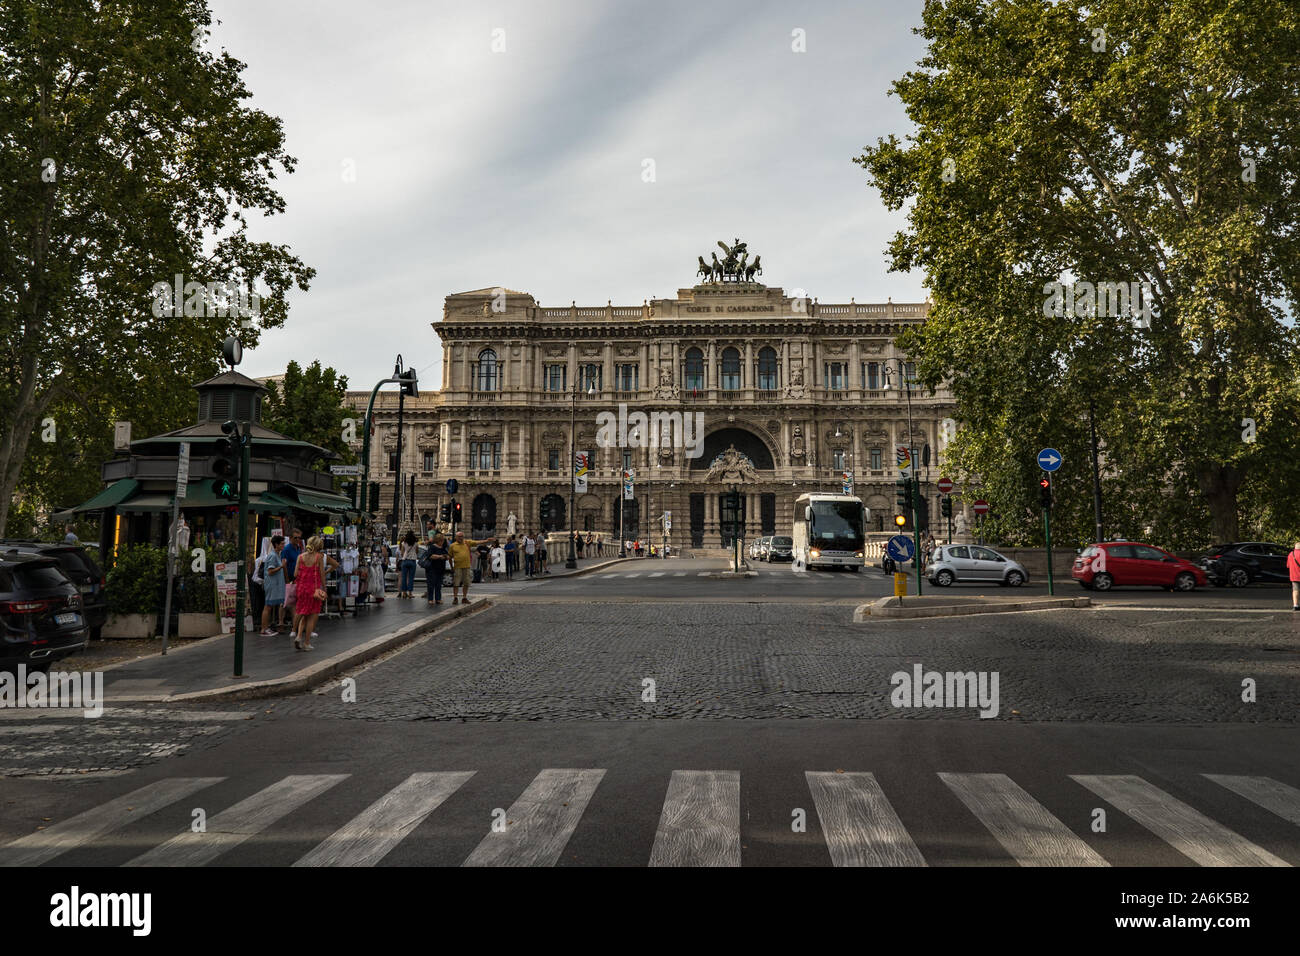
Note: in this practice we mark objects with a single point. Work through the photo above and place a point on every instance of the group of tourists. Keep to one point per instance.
(288, 587)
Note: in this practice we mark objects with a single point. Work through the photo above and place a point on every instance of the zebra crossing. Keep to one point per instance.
(699, 822)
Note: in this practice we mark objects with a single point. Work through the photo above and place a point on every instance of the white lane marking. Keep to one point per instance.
(37, 848)
(232, 826)
(859, 822)
(1188, 831)
(700, 822)
(657, 574)
(1276, 797)
(1024, 827)
(540, 822)
(370, 835)
(20, 713)
(679, 574)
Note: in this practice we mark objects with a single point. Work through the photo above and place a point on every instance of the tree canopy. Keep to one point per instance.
(1149, 143)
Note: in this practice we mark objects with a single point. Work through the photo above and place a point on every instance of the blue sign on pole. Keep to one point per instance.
(1049, 459)
(452, 485)
(900, 548)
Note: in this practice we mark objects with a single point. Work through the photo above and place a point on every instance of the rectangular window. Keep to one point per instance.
(473, 454)
(627, 461)
(496, 456)
(837, 459)
(875, 459)
(556, 378)
(627, 378)
(871, 375)
(553, 459)
(834, 375)
(911, 372)
(392, 461)
(430, 461)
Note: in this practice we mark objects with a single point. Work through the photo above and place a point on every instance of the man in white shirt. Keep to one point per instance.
(530, 554)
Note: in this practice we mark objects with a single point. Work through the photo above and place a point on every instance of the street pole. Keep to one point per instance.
(572, 561)
(365, 449)
(1096, 475)
(1047, 524)
(622, 482)
(241, 562)
(397, 472)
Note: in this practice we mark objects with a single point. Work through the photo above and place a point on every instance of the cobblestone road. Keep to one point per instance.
(562, 661)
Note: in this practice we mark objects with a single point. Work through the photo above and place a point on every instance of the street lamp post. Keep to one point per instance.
(911, 454)
(572, 561)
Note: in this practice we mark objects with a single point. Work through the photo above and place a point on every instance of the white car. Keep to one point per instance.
(968, 563)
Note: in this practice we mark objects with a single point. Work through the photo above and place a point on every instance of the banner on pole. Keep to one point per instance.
(580, 462)
(628, 477)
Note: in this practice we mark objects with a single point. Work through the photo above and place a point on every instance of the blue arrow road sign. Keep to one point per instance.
(900, 548)
(1049, 459)
(452, 485)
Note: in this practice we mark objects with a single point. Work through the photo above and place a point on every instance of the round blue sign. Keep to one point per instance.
(900, 548)
(452, 485)
(1049, 459)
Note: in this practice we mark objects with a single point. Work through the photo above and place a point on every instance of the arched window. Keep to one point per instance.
(694, 377)
(550, 513)
(730, 369)
(486, 379)
(767, 368)
(483, 516)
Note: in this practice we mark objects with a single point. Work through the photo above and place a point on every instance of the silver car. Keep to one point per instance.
(962, 563)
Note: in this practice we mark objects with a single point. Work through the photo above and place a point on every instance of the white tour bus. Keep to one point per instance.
(829, 531)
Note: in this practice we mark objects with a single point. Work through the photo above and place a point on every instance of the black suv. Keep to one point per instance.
(81, 570)
(1246, 562)
(41, 617)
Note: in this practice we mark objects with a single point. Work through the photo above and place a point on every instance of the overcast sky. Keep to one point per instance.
(526, 168)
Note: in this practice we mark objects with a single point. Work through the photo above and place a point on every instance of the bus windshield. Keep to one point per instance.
(837, 525)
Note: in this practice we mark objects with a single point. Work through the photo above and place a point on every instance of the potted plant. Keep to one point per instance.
(135, 591)
(194, 602)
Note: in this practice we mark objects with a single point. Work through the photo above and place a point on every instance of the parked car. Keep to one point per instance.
(1244, 563)
(779, 548)
(961, 563)
(1109, 564)
(763, 544)
(41, 616)
(81, 569)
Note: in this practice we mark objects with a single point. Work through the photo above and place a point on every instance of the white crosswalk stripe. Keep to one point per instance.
(231, 827)
(1188, 831)
(699, 821)
(86, 827)
(385, 823)
(540, 822)
(657, 574)
(679, 574)
(1019, 822)
(1269, 794)
(860, 824)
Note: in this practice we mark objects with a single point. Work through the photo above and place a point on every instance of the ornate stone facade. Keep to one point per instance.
(797, 391)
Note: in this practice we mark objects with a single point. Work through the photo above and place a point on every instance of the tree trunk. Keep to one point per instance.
(1219, 484)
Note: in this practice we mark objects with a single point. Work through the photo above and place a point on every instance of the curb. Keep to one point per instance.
(884, 609)
(316, 674)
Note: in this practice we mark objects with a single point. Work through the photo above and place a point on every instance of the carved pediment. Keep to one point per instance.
(553, 437)
(483, 436)
(628, 351)
(427, 436)
(872, 348)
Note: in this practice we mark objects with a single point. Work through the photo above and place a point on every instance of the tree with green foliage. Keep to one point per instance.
(310, 405)
(128, 158)
(1147, 142)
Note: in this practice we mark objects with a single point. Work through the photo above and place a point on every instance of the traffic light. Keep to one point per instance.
(922, 513)
(945, 507)
(410, 387)
(226, 465)
(350, 491)
(1045, 491)
(904, 495)
(444, 512)
(900, 520)
(455, 512)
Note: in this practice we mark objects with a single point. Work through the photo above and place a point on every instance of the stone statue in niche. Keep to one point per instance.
(511, 522)
(796, 445)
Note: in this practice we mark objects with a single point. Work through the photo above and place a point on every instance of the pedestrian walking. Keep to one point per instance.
(461, 558)
(290, 556)
(407, 556)
(541, 554)
(1293, 566)
(530, 555)
(497, 555)
(310, 578)
(256, 590)
(578, 544)
(435, 566)
(512, 556)
(273, 586)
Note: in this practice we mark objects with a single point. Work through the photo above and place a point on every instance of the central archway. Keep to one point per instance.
(746, 442)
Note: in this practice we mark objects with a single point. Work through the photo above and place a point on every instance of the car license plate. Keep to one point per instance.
(66, 619)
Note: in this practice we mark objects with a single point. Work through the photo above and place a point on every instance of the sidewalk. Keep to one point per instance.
(203, 670)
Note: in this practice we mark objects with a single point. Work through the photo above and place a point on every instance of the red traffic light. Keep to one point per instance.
(1044, 483)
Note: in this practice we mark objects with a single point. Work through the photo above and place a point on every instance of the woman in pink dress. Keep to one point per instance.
(310, 579)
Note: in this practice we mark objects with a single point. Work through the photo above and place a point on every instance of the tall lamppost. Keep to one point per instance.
(853, 462)
(911, 455)
(572, 561)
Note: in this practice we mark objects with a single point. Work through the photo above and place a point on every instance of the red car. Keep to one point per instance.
(1108, 564)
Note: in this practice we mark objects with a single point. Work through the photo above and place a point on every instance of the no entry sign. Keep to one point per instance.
(980, 507)
(945, 486)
